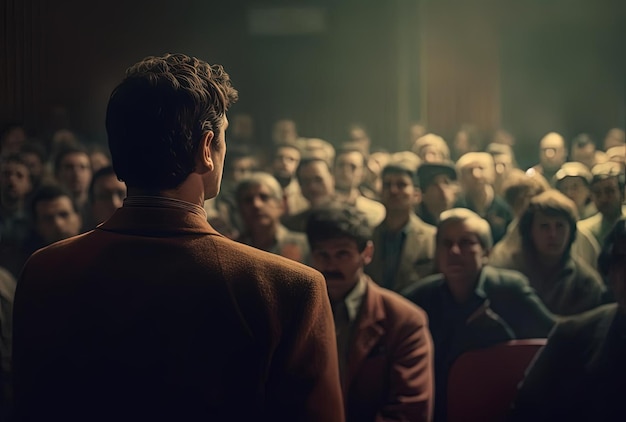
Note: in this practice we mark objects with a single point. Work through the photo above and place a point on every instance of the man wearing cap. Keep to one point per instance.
(572, 180)
(439, 190)
(404, 244)
(607, 193)
(552, 155)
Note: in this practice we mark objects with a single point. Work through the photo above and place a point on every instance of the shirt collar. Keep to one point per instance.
(355, 297)
(163, 202)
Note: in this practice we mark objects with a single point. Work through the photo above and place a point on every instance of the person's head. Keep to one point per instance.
(72, 169)
(260, 201)
(99, 157)
(34, 154)
(467, 139)
(476, 170)
(583, 150)
(552, 151)
(359, 136)
(239, 163)
(284, 130)
(612, 262)
(463, 243)
(519, 187)
(241, 127)
(341, 246)
(319, 148)
(573, 179)
(438, 182)
(15, 180)
(12, 137)
(607, 188)
(166, 120)
(55, 214)
(285, 162)
(431, 148)
(614, 137)
(349, 168)
(106, 194)
(400, 188)
(316, 180)
(617, 154)
(548, 226)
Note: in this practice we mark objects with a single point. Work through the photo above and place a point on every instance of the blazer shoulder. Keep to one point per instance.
(423, 289)
(505, 278)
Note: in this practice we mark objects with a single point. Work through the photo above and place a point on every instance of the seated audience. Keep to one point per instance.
(404, 246)
(471, 304)
(573, 180)
(106, 194)
(318, 188)
(477, 175)
(431, 148)
(72, 170)
(260, 203)
(607, 193)
(349, 173)
(580, 375)
(565, 283)
(439, 188)
(552, 155)
(285, 160)
(384, 346)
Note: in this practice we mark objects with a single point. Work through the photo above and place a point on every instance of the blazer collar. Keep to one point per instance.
(157, 222)
(368, 331)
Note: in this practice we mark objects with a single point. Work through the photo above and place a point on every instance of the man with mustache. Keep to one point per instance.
(384, 346)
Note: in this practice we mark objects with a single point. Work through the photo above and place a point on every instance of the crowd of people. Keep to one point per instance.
(181, 234)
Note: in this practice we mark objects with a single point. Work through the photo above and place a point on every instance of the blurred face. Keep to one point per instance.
(349, 170)
(552, 152)
(460, 256)
(341, 263)
(242, 167)
(108, 195)
(575, 189)
(398, 193)
(440, 194)
(57, 219)
(285, 162)
(98, 160)
(285, 131)
(75, 173)
(607, 197)
(34, 164)
(550, 235)
(585, 154)
(259, 208)
(316, 183)
(431, 154)
(475, 176)
(14, 181)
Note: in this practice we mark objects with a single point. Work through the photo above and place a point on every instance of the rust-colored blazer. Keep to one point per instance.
(155, 316)
(390, 361)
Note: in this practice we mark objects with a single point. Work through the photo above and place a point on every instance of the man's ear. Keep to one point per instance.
(204, 159)
(368, 252)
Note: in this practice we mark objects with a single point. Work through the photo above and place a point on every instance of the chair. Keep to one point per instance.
(482, 383)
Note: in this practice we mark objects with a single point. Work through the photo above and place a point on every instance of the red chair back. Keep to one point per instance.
(482, 383)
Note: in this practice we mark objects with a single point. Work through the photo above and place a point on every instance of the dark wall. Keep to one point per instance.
(560, 64)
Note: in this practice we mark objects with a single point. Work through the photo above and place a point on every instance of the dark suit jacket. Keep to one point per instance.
(416, 259)
(580, 375)
(390, 362)
(502, 308)
(156, 316)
